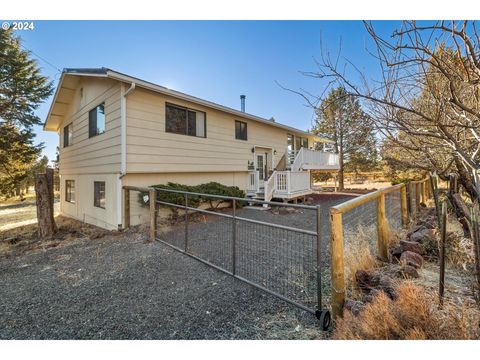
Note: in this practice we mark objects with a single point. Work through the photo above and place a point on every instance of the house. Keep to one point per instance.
(117, 130)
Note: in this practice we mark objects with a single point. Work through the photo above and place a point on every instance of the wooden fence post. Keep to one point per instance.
(410, 199)
(126, 208)
(403, 204)
(337, 271)
(424, 192)
(152, 198)
(382, 228)
(417, 196)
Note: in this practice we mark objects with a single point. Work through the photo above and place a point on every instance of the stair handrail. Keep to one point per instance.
(297, 163)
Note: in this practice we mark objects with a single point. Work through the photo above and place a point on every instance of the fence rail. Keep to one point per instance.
(385, 209)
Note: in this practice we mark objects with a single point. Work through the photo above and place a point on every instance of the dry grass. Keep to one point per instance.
(414, 315)
(358, 253)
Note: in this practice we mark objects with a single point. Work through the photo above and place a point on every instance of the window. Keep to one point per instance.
(240, 130)
(305, 143)
(180, 120)
(99, 194)
(67, 135)
(70, 191)
(96, 120)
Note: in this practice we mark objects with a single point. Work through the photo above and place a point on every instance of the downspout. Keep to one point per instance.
(123, 147)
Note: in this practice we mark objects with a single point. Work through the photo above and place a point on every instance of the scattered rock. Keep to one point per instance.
(396, 252)
(365, 280)
(412, 259)
(355, 307)
(423, 235)
(385, 284)
(371, 296)
(408, 272)
(411, 246)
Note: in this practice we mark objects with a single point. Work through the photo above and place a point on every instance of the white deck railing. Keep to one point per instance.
(270, 187)
(288, 183)
(282, 184)
(313, 159)
(253, 182)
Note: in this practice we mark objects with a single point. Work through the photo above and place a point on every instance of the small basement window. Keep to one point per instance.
(184, 121)
(96, 120)
(70, 191)
(67, 135)
(241, 130)
(99, 194)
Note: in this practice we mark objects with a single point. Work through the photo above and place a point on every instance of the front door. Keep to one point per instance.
(261, 167)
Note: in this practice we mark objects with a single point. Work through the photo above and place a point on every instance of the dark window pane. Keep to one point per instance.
(192, 123)
(99, 194)
(100, 119)
(96, 121)
(66, 136)
(176, 120)
(70, 191)
(92, 123)
(240, 130)
(305, 142)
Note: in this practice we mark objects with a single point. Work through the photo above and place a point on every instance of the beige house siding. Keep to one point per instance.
(101, 153)
(151, 149)
(83, 209)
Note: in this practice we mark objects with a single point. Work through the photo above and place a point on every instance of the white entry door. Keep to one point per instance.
(261, 166)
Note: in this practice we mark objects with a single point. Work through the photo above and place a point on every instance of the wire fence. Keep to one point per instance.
(393, 209)
(282, 249)
(361, 230)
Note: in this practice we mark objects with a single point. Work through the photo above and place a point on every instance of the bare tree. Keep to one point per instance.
(426, 99)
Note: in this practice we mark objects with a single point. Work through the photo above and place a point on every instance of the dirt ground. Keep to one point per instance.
(88, 283)
(20, 213)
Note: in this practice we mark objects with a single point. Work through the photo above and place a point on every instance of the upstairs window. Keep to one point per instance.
(184, 121)
(67, 135)
(96, 120)
(99, 194)
(240, 130)
(70, 191)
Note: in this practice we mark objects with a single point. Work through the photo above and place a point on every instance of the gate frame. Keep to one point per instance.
(320, 313)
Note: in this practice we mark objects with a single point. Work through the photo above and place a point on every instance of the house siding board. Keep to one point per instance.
(151, 149)
(101, 153)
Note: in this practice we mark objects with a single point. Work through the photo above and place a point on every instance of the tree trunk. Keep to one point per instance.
(44, 194)
(341, 185)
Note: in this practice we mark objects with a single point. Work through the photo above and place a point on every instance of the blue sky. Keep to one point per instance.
(214, 60)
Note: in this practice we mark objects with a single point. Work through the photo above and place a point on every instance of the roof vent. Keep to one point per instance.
(242, 103)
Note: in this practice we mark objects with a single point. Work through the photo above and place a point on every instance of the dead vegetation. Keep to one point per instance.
(21, 239)
(413, 315)
(358, 254)
(385, 301)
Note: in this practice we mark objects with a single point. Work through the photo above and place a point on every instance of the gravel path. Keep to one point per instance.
(118, 287)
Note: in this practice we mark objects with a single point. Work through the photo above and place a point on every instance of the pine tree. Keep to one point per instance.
(341, 119)
(22, 90)
(18, 155)
(22, 87)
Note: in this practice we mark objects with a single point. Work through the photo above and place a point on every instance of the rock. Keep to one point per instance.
(386, 285)
(422, 235)
(355, 307)
(371, 296)
(365, 280)
(396, 252)
(408, 272)
(412, 259)
(411, 246)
